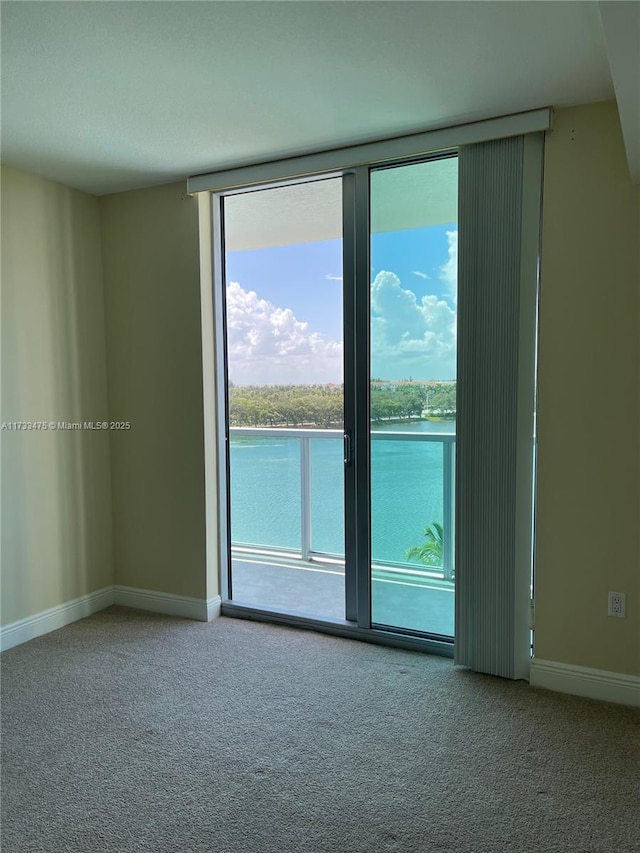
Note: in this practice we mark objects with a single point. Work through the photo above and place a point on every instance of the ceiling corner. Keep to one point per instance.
(621, 26)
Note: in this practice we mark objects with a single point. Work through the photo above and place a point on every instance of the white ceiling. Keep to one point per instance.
(109, 96)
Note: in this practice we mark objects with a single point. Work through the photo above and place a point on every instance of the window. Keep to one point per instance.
(361, 478)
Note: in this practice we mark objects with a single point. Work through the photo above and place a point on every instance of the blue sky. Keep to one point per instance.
(285, 309)
(296, 277)
(412, 255)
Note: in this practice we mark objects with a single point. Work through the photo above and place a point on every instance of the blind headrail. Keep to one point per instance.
(339, 160)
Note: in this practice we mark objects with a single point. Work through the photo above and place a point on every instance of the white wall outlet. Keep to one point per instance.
(617, 604)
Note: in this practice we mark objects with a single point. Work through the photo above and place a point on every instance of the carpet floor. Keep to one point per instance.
(130, 731)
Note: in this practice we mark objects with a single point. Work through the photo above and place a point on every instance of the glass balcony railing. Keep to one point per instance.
(287, 496)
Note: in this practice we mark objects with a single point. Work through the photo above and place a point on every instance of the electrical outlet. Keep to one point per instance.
(617, 604)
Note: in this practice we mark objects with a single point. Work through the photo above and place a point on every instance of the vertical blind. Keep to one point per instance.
(499, 216)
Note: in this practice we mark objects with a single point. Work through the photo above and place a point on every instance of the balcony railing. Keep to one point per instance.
(305, 552)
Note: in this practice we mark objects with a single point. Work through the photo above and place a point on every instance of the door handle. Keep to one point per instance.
(347, 449)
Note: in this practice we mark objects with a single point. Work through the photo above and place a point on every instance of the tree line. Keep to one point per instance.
(322, 405)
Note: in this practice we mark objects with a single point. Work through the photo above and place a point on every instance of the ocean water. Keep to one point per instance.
(406, 491)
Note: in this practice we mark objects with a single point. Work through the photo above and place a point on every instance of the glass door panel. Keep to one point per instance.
(412, 394)
(253, 460)
(327, 513)
(284, 351)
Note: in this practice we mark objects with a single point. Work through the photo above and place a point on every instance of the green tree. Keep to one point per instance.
(431, 552)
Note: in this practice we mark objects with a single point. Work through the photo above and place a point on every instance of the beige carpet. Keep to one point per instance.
(134, 732)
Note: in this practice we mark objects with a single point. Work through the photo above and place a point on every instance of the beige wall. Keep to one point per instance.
(152, 294)
(589, 406)
(56, 497)
(56, 492)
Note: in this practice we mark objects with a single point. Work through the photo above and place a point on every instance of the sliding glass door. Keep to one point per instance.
(284, 362)
(340, 350)
(414, 237)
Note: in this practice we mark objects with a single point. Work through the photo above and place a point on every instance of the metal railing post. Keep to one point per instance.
(447, 509)
(305, 496)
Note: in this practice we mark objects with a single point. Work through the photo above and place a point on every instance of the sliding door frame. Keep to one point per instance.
(221, 397)
(350, 385)
(356, 266)
(356, 242)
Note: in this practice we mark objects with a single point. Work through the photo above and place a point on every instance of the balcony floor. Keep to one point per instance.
(401, 601)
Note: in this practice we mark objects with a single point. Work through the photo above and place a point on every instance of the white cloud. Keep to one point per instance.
(269, 345)
(420, 274)
(333, 277)
(410, 337)
(449, 270)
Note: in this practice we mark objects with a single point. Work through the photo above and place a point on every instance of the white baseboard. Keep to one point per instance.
(582, 681)
(41, 623)
(15, 633)
(201, 609)
(214, 608)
